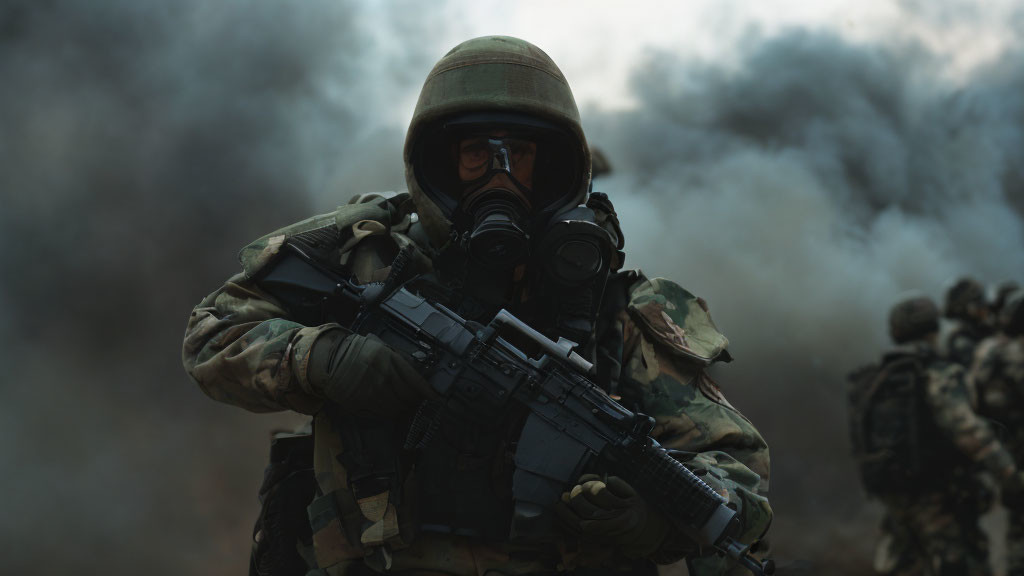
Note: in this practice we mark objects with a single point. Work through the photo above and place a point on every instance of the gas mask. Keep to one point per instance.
(496, 174)
(519, 237)
(569, 256)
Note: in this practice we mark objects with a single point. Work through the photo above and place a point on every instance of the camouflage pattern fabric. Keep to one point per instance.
(998, 377)
(962, 342)
(936, 532)
(952, 406)
(998, 380)
(668, 339)
(677, 319)
(239, 345)
(242, 349)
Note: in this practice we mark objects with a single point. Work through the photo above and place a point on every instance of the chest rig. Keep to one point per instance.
(450, 471)
(464, 460)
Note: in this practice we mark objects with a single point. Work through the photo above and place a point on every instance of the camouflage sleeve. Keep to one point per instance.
(999, 360)
(984, 371)
(949, 399)
(242, 349)
(960, 348)
(692, 416)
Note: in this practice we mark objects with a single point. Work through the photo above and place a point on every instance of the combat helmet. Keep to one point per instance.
(496, 81)
(963, 297)
(913, 319)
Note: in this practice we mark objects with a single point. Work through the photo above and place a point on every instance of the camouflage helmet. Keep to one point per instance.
(1011, 316)
(965, 295)
(497, 81)
(913, 319)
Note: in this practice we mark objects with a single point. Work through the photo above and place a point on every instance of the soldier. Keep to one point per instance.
(918, 441)
(497, 216)
(966, 307)
(998, 376)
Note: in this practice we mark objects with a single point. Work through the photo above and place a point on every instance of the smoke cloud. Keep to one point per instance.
(799, 191)
(143, 144)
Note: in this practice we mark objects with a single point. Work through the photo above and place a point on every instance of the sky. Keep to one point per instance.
(798, 165)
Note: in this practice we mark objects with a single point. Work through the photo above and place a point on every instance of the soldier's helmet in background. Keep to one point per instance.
(500, 82)
(963, 297)
(1011, 316)
(601, 166)
(913, 319)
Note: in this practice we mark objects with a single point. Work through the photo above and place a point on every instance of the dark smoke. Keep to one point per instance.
(801, 193)
(143, 143)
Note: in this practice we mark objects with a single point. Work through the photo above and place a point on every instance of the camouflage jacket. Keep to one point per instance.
(952, 407)
(998, 378)
(242, 348)
(962, 341)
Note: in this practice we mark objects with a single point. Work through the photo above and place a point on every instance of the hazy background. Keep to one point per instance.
(798, 166)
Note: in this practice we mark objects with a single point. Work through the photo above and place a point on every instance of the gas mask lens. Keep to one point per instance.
(481, 156)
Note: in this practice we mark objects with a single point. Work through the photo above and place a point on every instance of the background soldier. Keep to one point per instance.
(967, 308)
(495, 160)
(998, 375)
(918, 441)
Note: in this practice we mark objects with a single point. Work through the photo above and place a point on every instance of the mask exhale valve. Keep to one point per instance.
(497, 239)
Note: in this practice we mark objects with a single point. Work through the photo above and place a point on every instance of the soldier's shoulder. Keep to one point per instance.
(944, 376)
(676, 318)
(364, 214)
(1000, 350)
(990, 347)
(944, 367)
(918, 352)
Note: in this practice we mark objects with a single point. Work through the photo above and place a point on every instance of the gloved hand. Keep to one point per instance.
(611, 511)
(1013, 492)
(364, 375)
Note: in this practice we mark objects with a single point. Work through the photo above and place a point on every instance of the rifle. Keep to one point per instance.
(572, 426)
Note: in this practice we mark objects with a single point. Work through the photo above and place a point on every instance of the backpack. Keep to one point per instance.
(893, 434)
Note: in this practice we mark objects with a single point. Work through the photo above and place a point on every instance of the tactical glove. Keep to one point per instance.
(1013, 492)
(611, 511)
(363, 375)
